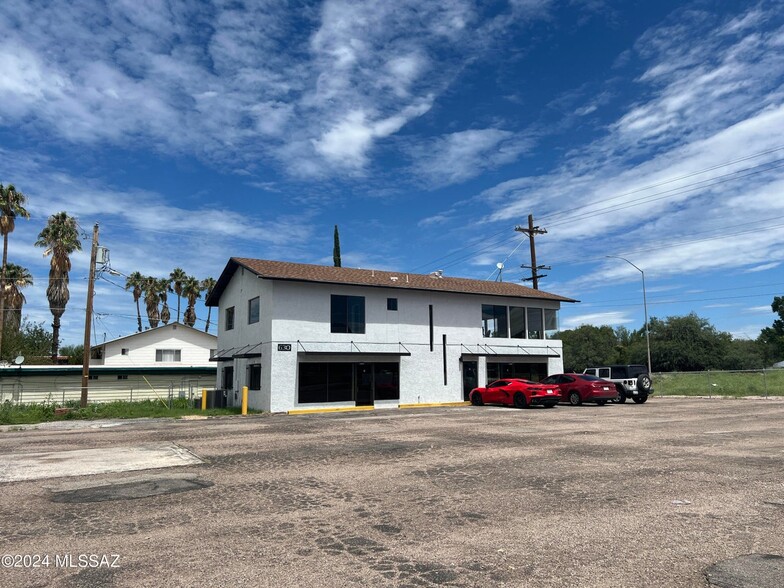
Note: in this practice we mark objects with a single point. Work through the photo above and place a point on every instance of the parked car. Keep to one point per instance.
(578, 388)
(631, 381)
(515, 392)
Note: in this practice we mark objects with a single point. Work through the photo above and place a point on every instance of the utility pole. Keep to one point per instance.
(531, 231)
(88, 318)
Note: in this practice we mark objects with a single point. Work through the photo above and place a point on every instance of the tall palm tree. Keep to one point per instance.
(151, 299)
(191, 289)
(11, 205)
(207, 286)
(134, 282)
(177, 277)
(16, 278)
(164, 287)
(60, 237)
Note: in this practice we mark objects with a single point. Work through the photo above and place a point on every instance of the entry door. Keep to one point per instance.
(364, 383)
(470, 379)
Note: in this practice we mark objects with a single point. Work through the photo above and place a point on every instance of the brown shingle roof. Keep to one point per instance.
(302, 272)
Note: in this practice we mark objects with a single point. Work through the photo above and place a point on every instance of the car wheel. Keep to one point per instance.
(476, 399)
(601, 402)
(574, 399)
(644, 383)
(519, 400)
(640, 399)
(621, 395)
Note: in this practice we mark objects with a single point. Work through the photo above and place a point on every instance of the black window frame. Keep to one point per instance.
(254, 376)
(229, 320)
(392, 304)
(499, 314)
(347, 314)
(254, 317)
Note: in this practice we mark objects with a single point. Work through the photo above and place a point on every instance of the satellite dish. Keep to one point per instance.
(19, 360)
(500, 265)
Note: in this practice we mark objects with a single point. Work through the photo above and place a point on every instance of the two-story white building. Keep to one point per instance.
(308, 336)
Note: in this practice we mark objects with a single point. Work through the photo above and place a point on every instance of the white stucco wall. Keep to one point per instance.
(298, 314)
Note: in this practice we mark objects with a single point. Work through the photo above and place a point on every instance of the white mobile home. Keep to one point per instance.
(308, 336)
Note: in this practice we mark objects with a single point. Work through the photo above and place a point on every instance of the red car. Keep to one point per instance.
(579, 388)
(515, 392)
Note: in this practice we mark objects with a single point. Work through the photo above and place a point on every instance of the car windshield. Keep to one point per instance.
(499, 384)
(636, 370)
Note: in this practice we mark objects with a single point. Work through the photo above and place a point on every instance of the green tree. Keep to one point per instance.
(135, 283)
(177, 277)
(772, 338)
(686, 343)
(75, 353)
(11, 205)
(336, 247)
(16, 278)
(164, 287)
(587, 346)
(60, 238)
(208, 285)
(33, 341)
(191, 289)
(744, 354)
(151, 299)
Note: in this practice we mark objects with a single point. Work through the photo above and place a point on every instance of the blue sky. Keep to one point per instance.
(193, 131)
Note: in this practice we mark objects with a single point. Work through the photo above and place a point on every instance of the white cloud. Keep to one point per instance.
(459, 156)
(597, 319)
(677, 172)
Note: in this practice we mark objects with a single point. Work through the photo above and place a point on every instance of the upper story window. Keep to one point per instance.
(517, 322)
(253, 310)
(391, 303)
(494, 321)
(347, 314)
(550, 322)
(168, 355)
(535, 323)
(230, 318)
(124, 351)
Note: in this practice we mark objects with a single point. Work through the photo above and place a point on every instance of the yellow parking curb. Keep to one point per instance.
(337, 409)
(434, 404)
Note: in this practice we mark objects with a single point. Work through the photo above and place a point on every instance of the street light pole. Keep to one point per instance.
(645, 307)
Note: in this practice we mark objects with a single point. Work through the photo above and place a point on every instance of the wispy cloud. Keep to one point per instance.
(596, 319)
(696, 156)
(238, 81)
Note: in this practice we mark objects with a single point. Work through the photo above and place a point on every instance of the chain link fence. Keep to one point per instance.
(762, 382)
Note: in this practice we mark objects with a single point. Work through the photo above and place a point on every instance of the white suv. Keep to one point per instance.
(631, 381)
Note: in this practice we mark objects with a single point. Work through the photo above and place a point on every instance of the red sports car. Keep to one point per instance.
(515, 392)
(579, 388)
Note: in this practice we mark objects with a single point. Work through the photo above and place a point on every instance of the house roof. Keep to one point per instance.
(302, 272)
(159, 328)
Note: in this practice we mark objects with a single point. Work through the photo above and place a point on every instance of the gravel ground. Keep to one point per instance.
(620, 495)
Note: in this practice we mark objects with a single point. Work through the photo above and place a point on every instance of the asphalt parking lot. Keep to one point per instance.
(620, 495)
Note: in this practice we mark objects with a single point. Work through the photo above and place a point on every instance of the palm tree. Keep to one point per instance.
(207, 285)
(177, 277)
(151, 299)
(60, 237)
(16, 277)
(11, 206)
(135, 282)
(191, 289)
(164, 287)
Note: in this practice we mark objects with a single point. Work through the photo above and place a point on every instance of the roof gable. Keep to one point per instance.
(171, 326)
(301, 272)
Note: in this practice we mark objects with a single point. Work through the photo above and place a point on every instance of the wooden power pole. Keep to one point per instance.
(531, 231)
(88, 318)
